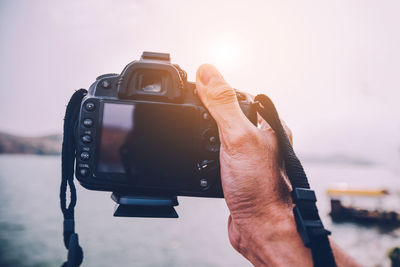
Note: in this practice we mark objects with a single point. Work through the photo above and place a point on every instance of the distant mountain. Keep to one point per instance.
(42, 145)
(335, 159)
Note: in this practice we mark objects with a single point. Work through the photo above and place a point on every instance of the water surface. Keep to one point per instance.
(31, 221)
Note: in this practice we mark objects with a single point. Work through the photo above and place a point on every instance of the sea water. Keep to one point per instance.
(31, 221)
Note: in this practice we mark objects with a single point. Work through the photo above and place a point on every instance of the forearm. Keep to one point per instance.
(281, 245)
(273, 244)
(341, 257)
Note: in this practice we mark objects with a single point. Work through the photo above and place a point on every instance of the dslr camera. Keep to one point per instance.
(146, 134)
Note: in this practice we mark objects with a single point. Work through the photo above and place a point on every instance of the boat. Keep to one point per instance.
(341, 213)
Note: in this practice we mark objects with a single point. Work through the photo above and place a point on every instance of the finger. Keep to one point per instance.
(264, 126)
(261, 123)
(220, 99)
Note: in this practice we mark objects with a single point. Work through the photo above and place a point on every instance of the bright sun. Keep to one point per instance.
(224, 53)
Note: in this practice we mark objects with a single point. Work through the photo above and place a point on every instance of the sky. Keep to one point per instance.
(331, 67)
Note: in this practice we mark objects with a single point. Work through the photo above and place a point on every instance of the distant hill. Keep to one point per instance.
(51, 145)
(42, 145)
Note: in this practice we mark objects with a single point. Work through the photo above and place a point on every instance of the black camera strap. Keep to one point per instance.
(308, 222)
(71, 241)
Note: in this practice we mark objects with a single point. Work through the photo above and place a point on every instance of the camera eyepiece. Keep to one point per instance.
(153, 76)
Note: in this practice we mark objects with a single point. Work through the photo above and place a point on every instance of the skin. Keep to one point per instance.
(261, 225)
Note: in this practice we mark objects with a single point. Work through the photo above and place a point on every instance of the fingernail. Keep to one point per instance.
(207, 73)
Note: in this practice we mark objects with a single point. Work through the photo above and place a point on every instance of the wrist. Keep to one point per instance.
(271, 242)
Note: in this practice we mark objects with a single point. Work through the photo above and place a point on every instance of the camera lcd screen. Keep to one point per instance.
(148, 142)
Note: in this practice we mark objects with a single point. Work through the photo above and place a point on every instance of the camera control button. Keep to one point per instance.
(203, 183)
(85, 155)
(89, 106)
(105, 84)
(88, 123)
(211, 140)
(86, 139)
(84, 172)
(206, 116)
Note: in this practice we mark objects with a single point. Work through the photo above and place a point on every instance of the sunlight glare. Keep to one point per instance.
(224, 53)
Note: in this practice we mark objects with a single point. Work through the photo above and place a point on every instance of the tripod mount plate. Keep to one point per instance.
(145, 206)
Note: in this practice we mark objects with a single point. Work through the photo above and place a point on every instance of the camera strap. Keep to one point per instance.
(71, 241)
(308, 222)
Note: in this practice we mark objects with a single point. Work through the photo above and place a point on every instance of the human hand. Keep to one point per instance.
(261, 225)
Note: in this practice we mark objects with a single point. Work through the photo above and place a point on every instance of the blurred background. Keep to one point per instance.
(331, 67)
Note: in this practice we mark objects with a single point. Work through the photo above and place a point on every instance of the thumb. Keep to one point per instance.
(220, 99)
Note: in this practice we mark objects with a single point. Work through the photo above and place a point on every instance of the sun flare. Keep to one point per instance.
(224, 53)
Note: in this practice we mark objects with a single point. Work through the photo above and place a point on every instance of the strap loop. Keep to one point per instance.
(69, 229)
(308, 222)
(303, 194)
(308, 229)
(75, 252)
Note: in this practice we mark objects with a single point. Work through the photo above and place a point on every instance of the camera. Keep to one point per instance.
(145, 132)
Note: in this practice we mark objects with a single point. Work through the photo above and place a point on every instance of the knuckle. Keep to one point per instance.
(244, 137)
(220, 93)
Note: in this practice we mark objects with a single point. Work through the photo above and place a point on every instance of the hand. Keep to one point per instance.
(261, 225)
(253, 180)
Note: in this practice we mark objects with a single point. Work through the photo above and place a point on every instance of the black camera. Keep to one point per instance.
(145, 136)
(145, 132)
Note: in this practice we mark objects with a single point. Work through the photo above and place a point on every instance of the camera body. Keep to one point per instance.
(145, 132)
